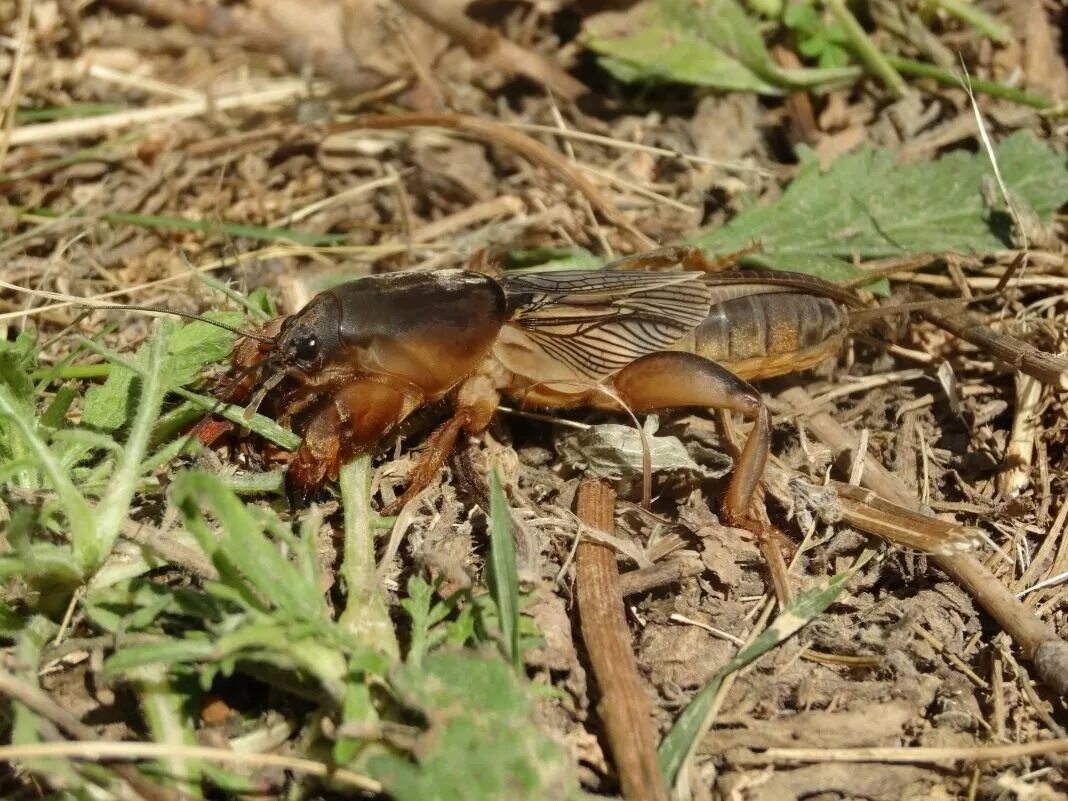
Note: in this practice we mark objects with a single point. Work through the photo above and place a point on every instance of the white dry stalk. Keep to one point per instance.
(277, 92)
(141, 82)
(1015, 475)
(569, 151)
(332, 200)
(623, 144)
(636, 188)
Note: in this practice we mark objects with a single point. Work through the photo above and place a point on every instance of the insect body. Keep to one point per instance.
(360, 358)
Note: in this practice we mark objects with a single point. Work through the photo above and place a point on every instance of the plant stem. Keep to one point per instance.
(977, 18)
(72, 371)
(866, 51)
(919, 69)
(365, 610)
(115, 506)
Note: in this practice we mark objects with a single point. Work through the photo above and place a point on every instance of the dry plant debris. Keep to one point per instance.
(169, 629)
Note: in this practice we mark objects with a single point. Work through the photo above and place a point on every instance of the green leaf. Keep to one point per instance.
(11, 622)
(503, 579)
(550, 260)
(17, 360)
(192, 347)
(198, 344)
(164, 652)
(247, 560)
(481, 743)
(109, 405)
(114, 506)
(425, 615)
(57, 410)
(690, 725)
(866, 206)
(713, 44)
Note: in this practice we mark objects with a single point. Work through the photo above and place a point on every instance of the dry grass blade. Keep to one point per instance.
(909, 755)
(624, 707)
(284, 91)
(865, 510)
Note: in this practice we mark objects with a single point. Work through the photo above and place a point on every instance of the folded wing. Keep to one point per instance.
(584, 326)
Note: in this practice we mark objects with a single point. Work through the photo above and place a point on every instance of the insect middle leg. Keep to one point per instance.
(674, 379)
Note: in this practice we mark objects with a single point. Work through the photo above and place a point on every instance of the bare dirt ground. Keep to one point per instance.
(244, 173)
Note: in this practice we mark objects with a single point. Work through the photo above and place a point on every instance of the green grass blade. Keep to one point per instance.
(79, 514)
(259, 424)
(114, 508)
(165, 652)
(503, 578)
(264, 426)
(691, 724)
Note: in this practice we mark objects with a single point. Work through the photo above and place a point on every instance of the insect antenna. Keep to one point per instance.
(198, 318)
(89, 304)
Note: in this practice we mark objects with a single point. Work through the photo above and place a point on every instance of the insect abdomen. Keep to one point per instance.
(770, 334)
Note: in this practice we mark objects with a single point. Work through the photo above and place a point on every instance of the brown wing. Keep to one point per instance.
(586, 325)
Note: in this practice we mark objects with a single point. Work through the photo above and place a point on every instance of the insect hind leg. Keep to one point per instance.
(674, 379)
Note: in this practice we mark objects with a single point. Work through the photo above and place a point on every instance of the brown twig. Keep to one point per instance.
(1038, 642)
(660, 573)
(495, 132)
(486, 45)
(624, 706)
(1045, 367)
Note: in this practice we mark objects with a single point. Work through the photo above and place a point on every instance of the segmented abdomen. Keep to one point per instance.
(770, 329)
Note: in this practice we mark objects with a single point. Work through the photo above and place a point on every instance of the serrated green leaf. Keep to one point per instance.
(481, 743)
(80, 518)
(193, 346)
(713, 44)
(17, 359)
(198, 344)
(866, 206)
(550, 260)
(10, 621)
(109, 405)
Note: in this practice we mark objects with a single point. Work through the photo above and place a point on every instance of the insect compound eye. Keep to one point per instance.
(306, 349)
